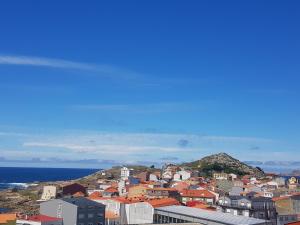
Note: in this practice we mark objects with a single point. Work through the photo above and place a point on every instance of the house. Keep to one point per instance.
(125, 173)
(257, 207)
(8, 219)
(71, 189)
(110, 192)
(220, 176)
(79, 211)
(197, 195)
(49, 192)
(236, 191)
(137, 191)
(236, 205)
(232, 176)
(162, 193)
(153, 177)
(143, 176)
(181, 175)
(40, 220)
(287, 207)
(179, 186)
(238, 183)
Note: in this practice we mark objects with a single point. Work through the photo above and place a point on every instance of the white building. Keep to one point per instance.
(125, 173)
(153, 177)
(122, 187)
(182, 175)
(137, 213)
(126, 212)
(49, 192)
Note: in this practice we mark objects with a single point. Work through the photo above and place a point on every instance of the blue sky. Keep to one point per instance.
(93, 84)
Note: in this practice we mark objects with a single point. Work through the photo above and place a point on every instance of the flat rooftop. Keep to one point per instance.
(219, 217)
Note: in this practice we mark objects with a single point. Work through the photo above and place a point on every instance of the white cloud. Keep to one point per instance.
(104, 149)
(106, 70)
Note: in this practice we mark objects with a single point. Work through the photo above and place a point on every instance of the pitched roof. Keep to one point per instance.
(95, 195)
(81, 202)
(43, 218)
(163, 202)
(111, 190)
(161, 189)
(4, 218)
(197, 193)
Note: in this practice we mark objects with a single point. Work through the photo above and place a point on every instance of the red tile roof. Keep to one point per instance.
(197, 194)
(111, 190)
(163, 202)
(43, 218)
(95, 195)
(294, 223)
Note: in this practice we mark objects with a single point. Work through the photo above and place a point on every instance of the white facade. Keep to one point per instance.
(181, 175)
(49, 192)
(125, 173)
(122, 187)
(137, 213)
(153, 177)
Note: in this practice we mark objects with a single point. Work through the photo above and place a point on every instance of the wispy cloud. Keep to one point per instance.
(142, 108)
(104, 70)
(104, 149)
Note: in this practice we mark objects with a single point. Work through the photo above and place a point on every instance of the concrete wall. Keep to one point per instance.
(60, 209)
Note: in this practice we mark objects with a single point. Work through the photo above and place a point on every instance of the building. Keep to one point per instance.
(121, 210)
(79, 211)
(197, 195)
(182, 175)
(143, 176)
(125, 173)
(257, 207)
(71, 189)
(136, 213)
(220, 176)
(137, 191)
(8, 219)
(287, 207)
(162, 193)
(183, 214)
(49, 192)
(110, 192)
(40, 220)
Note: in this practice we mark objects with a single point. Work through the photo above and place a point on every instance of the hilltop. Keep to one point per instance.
(222, 162)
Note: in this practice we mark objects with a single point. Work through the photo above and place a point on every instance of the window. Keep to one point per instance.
(90, 223)
(100, 214)
(80, 216)
(90, 215)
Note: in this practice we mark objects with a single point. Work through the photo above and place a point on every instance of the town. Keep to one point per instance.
(172, 194)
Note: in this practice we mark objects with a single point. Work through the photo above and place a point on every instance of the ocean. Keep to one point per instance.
(19, 177)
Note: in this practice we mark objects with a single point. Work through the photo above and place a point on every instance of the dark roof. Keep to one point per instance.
(237, 197)
(82, 202)
(261, 199)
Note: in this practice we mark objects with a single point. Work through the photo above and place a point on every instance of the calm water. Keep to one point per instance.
(12, 176)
